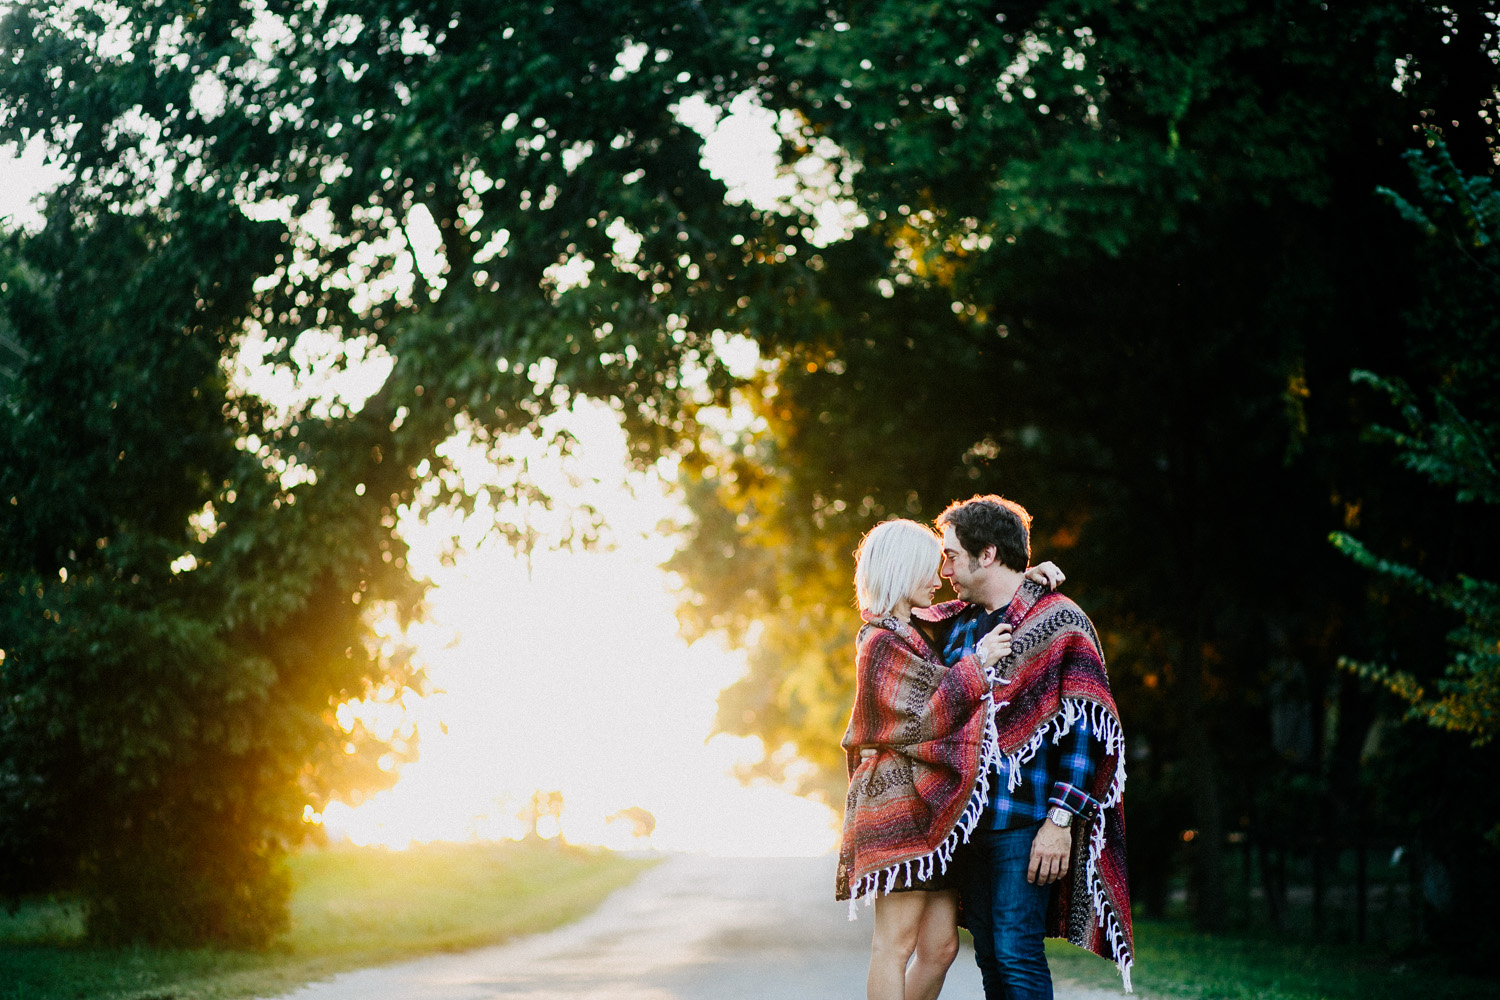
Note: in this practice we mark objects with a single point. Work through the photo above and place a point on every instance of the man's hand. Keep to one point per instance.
(1049, 854)
(1047, 574)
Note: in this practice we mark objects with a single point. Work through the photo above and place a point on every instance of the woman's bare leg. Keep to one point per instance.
(898, 917)
(937, 945)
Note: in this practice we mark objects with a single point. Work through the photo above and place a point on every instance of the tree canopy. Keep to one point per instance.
(195, 577)
(1119, 263)
(1451, 442)
(1116, 261)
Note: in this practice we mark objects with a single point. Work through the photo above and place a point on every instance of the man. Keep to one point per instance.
(1047, 857)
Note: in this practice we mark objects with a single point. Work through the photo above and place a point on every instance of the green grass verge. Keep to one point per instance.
(351, 907)
(1174, 961)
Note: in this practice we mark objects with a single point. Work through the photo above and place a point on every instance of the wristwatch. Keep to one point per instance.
(1060, 816)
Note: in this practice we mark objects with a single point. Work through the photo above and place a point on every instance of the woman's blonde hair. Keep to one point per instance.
(893, 559)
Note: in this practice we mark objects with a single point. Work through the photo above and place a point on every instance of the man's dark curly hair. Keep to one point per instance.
(990, 520)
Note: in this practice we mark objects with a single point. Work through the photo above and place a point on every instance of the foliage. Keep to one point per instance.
(1174, 961)
(194, 578)
(1116, 261)
(350, 907)
(180, 626)
(1461, 218)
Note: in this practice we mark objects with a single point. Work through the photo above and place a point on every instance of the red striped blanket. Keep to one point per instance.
(909, 805)
(1053, 677)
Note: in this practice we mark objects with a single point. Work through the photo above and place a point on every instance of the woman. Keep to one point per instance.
(916, 751)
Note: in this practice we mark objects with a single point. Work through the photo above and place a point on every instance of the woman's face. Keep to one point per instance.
(926, 593)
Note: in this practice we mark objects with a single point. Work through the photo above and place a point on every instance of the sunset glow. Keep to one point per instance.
(569, 676)
(562, 671)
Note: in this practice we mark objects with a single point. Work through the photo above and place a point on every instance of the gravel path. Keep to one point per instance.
(692, 928)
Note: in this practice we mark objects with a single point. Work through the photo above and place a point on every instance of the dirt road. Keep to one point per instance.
(693, 928)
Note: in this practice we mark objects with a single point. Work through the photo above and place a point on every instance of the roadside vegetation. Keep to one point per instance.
(1210, 286)
(350, 907)
(355, 907)
(1173, 960)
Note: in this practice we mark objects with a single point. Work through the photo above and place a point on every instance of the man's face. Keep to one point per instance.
(959, 568)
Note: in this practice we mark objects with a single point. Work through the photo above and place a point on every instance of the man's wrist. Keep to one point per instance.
(1071, 797)
(1058, 816)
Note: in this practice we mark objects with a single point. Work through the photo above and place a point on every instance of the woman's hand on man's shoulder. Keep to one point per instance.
(1048, 574)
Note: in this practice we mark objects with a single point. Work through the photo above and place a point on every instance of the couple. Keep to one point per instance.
(986, 761)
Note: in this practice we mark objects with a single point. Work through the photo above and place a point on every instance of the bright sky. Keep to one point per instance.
(572, 677)
(569, 675)
(24, 174)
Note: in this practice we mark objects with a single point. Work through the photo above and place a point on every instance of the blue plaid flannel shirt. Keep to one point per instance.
(1059, 773)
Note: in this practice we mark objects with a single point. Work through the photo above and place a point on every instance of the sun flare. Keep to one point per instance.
(564, 672)
(555, 671)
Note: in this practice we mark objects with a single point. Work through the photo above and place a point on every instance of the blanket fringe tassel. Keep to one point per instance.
(869, 886)
(1102, 725)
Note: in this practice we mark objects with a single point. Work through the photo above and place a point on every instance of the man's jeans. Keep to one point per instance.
(1005, 913)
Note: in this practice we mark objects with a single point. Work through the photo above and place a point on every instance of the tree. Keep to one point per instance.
(1451, 441)
(1117, 264)
(193, 580)
(180, 625)
(1452, 448)
(1434, 569)
(1114, 260)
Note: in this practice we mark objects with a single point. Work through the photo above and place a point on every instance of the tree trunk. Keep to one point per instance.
(1272, 889)
(1317, 881)
(1361, 891)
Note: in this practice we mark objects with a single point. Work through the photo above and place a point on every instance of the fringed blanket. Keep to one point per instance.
(910, 804)
(1053, 677)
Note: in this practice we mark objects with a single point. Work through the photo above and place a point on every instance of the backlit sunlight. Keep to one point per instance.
(569, 676)
(558, 678)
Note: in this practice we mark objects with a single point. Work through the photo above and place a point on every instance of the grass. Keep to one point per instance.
(358, 907)
(1174, 961)
(351, 907)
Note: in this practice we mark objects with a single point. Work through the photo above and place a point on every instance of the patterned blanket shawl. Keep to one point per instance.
(1053, 677)
(909, 805)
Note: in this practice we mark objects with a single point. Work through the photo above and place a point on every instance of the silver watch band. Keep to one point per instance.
(1060, 816)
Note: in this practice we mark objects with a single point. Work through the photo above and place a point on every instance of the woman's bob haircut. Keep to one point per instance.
(894, 559)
